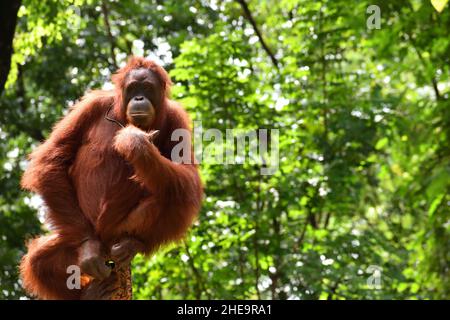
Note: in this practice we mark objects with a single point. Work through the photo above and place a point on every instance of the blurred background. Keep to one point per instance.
(359, 207)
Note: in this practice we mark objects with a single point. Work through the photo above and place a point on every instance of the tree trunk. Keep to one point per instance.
(8, 21)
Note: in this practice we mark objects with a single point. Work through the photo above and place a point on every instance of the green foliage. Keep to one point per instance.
(364, 124)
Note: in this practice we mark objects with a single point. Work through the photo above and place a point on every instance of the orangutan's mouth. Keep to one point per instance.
(139, 114)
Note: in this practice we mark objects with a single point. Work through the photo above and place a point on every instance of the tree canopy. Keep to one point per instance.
(361, 193)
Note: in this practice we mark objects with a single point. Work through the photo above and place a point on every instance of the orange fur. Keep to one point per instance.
(98, 182)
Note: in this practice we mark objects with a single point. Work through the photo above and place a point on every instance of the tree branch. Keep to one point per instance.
(112, 41)
(255, 240)
(8, 22)
(425, 67)
(200, 285)
(249, 17)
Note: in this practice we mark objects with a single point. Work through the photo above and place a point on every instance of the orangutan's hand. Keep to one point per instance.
(124, 251)
(92, 260)
(101, 289)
